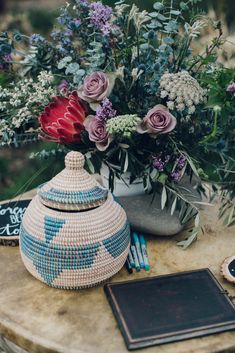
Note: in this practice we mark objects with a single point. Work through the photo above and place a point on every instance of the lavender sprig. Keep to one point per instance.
(105, 110)
(100, 16)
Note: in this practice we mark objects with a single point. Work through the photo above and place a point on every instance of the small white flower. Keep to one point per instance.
(120, 72)
(136, 73)
(170, 105)
(180, 99)
(189, 103)
(172, 95)
(180, 107)
(164, 94)
(191, 109)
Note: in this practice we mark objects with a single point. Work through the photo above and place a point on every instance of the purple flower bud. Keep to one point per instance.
(158, 164)
(82, 3)
(68, 33)
(55, 34)
(36, 39)
(231, 88)
(63, 86)
(176, 175)
(7, 59)
(105, 110)
(181, 161)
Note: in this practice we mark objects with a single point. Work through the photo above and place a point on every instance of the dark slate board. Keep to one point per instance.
(11, 214)
(170, 308)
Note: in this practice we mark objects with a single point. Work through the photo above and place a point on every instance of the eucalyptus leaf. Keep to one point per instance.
(144, 46)
(158, 6)
(231, 224)
(192, 165)
(175, 12)
(231, 216)
(168, 40)
(186, 243)
(154, 24)
(63, 62)
(126, 163)
(163, 197)
(161, 17)
(197, 220)
(184, 6)
(153, 14)
(203, 203)
(173, 207)
(187, 215)
(223, 209)
(90, 166)
(72, 68)
(124, 145)
(171, 26)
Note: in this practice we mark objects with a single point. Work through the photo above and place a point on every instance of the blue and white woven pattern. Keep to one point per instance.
(95, 196)
(74, 249)
(73, 188)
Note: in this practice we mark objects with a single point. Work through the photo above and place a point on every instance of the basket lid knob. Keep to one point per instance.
(74, 160)
(73, 189)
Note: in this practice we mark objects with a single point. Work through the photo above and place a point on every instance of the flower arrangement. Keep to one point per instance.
(124, 87)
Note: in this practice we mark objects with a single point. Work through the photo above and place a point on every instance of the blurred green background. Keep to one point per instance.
(18, 173)
(41, 13)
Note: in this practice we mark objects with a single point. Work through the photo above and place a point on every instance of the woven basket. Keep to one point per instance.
(74, 234)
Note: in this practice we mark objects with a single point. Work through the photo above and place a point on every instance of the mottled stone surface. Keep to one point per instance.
(146, 215)
(42, 319)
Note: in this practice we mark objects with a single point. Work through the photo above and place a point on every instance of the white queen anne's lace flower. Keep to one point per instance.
(183, 92)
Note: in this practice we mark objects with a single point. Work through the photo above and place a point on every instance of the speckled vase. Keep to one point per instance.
(74, 234)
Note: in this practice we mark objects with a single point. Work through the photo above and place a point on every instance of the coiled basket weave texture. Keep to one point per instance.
(74, 234)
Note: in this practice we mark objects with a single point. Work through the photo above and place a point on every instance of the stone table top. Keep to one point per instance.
(41, 319)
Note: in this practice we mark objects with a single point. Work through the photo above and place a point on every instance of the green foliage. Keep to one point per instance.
(217, 83)
(19, 173)
(41, 21)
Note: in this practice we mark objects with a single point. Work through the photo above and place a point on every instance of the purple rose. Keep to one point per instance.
(95, 87)
(63, 86)
(157, 121)
(96, 129)
(231, 88)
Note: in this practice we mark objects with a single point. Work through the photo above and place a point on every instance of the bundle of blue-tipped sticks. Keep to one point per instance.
(137, 257)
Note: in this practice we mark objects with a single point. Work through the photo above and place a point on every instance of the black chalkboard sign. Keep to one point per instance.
(11, 214)
(169, 308)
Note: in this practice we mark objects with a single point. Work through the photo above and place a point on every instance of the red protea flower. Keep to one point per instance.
(62, 120)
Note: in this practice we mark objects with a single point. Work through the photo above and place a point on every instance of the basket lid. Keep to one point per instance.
(73, 188)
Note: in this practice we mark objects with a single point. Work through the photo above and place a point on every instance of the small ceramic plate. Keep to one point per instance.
(228, 268)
